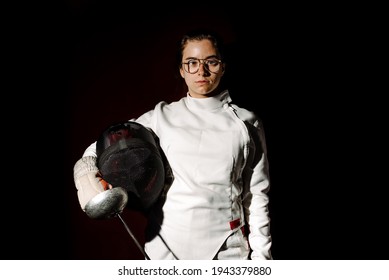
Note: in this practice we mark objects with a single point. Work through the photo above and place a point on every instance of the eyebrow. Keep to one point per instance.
(208, 57)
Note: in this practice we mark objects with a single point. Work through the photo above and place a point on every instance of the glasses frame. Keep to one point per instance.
(204, 63)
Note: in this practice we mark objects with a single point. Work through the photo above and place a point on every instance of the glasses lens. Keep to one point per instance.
(213, 65)
(193, 66)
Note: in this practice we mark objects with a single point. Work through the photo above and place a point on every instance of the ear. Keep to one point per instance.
(182, 73)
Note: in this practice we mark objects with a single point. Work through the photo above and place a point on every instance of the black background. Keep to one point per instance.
(88, 64)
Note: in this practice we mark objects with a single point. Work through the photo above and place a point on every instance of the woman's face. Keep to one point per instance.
(202, 83)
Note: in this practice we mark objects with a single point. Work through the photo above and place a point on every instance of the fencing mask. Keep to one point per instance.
(128, 156)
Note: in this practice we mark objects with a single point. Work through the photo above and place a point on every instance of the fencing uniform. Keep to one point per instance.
(217, 154)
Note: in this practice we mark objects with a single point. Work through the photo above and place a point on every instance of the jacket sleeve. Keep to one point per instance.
(255, 199)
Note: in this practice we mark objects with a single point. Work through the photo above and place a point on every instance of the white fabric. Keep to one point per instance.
(236, 247)
(207, 144)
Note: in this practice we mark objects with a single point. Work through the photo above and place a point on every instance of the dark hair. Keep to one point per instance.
(198, 35)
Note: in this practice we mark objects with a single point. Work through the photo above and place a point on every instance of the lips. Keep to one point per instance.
(203, 82)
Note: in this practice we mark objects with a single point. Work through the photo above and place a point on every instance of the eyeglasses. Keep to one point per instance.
(211, 64)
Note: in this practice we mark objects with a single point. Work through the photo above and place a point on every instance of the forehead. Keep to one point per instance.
(199, 49)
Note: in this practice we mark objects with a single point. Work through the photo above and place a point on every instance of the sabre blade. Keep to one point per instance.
(133, 237)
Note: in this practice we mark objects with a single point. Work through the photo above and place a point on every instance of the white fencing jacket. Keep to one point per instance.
(217, 153)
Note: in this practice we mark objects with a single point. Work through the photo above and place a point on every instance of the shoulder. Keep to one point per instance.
(163, 105)
(246, 115)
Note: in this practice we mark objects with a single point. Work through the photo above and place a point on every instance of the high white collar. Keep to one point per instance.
(208, 103)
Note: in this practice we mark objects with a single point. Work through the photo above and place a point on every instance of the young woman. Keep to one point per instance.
(217, 204)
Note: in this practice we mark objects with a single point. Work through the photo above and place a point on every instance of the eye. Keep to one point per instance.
(213, 62)
(193, 63)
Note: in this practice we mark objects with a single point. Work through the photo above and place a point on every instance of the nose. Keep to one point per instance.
(203, 69)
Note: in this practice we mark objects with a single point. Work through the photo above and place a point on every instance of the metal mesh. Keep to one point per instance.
(135, 165)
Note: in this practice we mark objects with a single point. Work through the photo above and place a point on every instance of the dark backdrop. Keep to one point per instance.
(92, 64)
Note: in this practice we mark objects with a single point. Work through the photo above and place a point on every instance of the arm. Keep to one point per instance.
(256, 198)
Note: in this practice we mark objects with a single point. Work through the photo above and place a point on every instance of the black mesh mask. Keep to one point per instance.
(128, 157)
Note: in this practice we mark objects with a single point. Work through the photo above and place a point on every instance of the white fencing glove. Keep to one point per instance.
(98, 199)
(87, 180)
